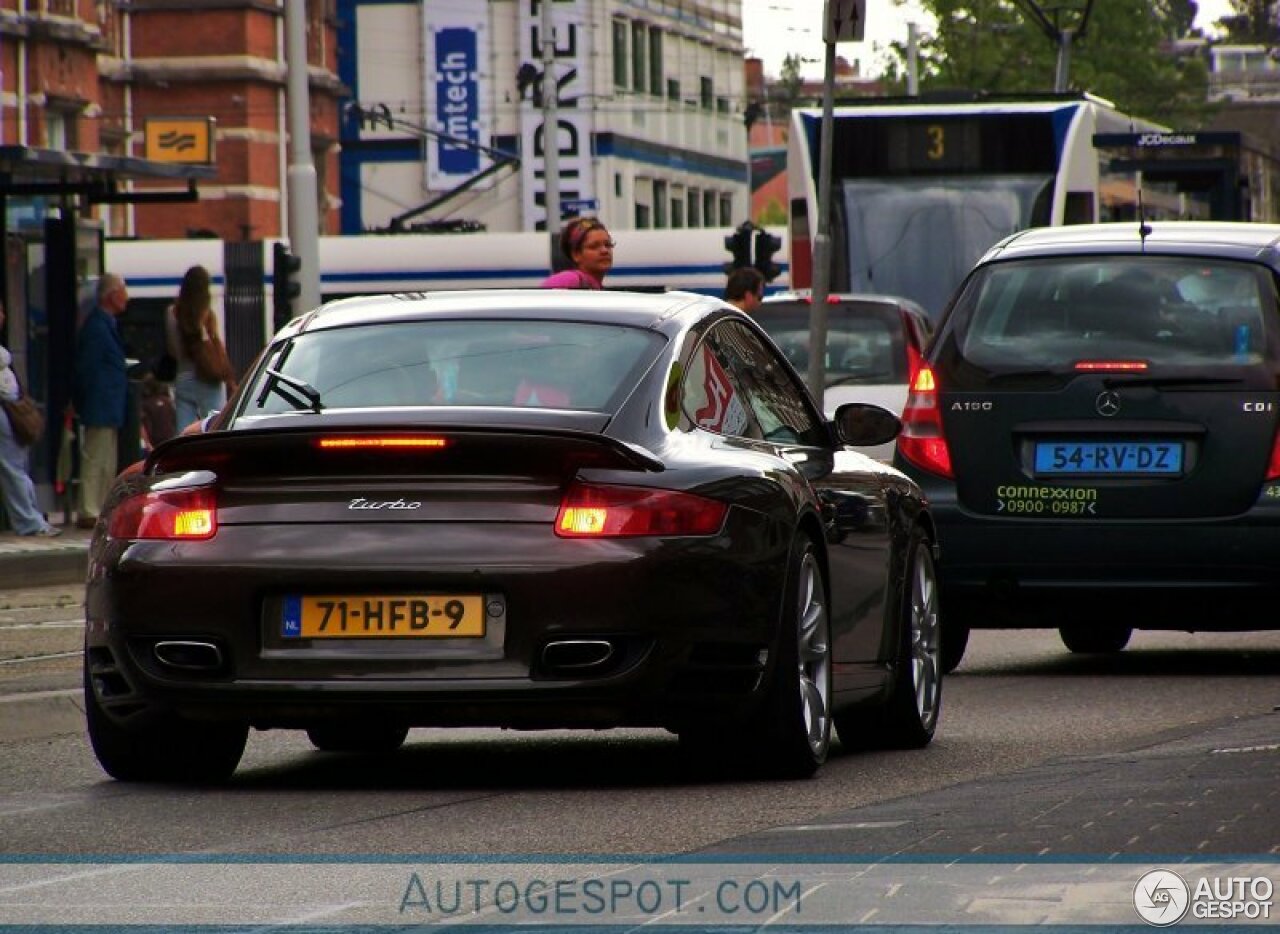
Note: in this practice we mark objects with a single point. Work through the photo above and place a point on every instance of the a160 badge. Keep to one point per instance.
(367, 616)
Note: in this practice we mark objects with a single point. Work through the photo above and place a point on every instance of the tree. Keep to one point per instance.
(790, 82)
(1254, 22)
(1125, 54)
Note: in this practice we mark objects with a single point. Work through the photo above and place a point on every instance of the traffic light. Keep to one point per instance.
(766, 245)
(285, 287)
(739, 244)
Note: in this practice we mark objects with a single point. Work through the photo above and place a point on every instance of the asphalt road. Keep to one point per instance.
(1031, 738)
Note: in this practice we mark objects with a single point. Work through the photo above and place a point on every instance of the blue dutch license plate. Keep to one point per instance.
(1154, 458)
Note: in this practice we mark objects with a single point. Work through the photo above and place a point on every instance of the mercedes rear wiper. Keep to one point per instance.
(298, 393)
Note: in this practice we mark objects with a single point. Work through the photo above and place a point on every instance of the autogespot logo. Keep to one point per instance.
(1161, 897)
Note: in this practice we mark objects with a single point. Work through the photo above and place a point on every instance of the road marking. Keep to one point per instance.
(857, 825)
(40, 658)
(51, 624)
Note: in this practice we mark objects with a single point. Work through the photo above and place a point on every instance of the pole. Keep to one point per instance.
(550, 123)
(822, 241)
(1065, 36)
(913, 60)
(304, 211)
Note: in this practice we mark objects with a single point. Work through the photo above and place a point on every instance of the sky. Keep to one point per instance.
(772, 29)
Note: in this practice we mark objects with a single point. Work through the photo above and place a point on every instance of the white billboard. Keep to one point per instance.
(572, 76)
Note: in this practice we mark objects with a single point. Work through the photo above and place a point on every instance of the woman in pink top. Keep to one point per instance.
(587, 243)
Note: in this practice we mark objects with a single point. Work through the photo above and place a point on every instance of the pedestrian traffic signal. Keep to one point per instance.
(739, 244)
(766, 245)
(285, 285)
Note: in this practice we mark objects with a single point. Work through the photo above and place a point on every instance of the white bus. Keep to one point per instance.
(920, 190)
(689, 259)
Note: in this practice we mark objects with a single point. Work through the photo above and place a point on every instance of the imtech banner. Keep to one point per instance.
(625, 893)
(458, 90)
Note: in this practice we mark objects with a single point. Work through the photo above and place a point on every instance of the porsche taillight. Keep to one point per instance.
(922, 441)
(597, 510)
(166, 515)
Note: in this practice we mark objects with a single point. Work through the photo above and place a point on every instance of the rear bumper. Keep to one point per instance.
(1198, 574)
(690, 624)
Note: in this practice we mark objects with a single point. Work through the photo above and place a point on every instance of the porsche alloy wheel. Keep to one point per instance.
(909, 717)
(798, 716)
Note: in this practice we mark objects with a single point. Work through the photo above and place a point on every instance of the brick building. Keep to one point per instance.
(85, 76)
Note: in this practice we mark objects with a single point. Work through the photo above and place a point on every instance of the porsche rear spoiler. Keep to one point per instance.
(389, 449)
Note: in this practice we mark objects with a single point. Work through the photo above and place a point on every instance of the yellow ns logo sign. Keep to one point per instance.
(179, 139)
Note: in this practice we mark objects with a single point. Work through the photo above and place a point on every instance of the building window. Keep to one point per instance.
(706, 93)
(642, 195)
(677, 210)
(617, 184)
(695, 208)
(639, 66)
(673, 89)
(709, 216)
(660, 204)
(62, 125)
(726, 210)
(722, 105)
(620, 56)
(655, 63)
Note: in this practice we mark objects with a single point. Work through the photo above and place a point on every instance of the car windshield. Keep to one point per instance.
(864, 340)
(548, 364)
(1050, 313)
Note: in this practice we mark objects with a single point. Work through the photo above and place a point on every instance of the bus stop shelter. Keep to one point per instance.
(53, 251)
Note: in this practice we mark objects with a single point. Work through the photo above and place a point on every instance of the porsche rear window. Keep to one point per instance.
(1048, 314)
(547, 364)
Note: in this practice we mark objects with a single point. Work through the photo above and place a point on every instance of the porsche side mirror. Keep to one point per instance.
(861, 424)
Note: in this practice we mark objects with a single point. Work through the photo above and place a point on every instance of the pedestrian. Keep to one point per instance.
(100, 395)
(587, 244)
(191, 334)
(17, 491)
(159, 416)
(745, 288)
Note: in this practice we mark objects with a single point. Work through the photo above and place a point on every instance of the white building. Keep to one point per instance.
(1243, 72)
(651, 96)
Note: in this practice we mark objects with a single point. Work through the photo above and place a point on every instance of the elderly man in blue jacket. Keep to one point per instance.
(100, 394)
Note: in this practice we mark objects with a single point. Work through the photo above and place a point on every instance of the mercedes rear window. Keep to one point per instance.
(547, 364)
(865, 344)
(1049, 314)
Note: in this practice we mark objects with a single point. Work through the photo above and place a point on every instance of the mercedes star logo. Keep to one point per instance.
(1107, 403)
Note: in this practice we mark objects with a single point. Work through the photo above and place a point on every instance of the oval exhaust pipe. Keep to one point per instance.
(188, 655)
(576, 655)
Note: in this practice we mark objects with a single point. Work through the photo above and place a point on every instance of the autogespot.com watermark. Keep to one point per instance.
(1162, 898)
(191, 893)
(428, 895)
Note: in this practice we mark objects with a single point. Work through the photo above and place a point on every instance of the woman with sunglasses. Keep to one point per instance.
(586, 242)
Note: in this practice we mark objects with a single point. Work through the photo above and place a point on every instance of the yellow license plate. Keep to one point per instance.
(409, 616)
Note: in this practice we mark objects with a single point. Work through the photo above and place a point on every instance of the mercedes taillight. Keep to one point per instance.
(922, 441)
(1273, 465)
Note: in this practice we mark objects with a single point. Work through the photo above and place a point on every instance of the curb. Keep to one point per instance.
(41, 714)
(45, 568)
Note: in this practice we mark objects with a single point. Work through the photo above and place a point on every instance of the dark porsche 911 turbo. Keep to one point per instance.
(539, 509)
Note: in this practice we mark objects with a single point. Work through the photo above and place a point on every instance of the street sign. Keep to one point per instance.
(180, 139)
(573, 206)
(845, 21)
